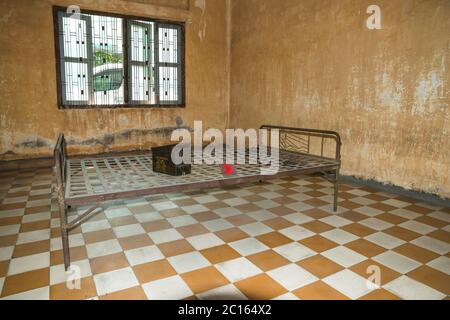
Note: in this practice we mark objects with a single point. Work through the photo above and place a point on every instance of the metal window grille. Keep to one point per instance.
(109, 60)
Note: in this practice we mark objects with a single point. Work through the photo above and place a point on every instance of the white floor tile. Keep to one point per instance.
(166, 205)
(348, 283)
(417, 227)
(6, 253)
(376, 224)
(296, 233)
(255, 229)
(385, 240)
(248, 246)
(409, 289)
(147, 217)
(429, 206)
(18, 189)
(128, 230)
(238, 269)
(396, 203)
(182, 221)
(432, 244)
(397, 262)
(241, 192)
(143, 255)
(32, 236)
(298, 218)
(368, 211)
(227, 212)
(205, 199)
(205, 241)
(15, 200)
(176, 196)
(75, 240)
(300, 196)
(12, 213)
(116, 280)
(270, 195)
(196, 208)
(339, 236)
(38, 203)
(336, 221)
(166, 235)
(103, 248)
(266, 204)
(292, 276)
(55, 223)
(117, 212)
(261, 215)
(442, 264)
(35, 294)
(172, 288)
(328, 198)
(217, 225)
(344, 256)
(299, 206)
(228, 292)
(358, 192)
(363, 201)
(294, 251)
(132, 202)
(98, 225)
(28, 263)
(440, 216)
(188, 262)
(58, 273)
(404, 213)
(235, 201)
(36, 217)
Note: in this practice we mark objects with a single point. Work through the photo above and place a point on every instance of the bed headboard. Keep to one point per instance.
(308, 141)
(60, 156)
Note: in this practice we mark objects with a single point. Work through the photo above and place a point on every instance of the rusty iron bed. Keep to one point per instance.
(94, 180)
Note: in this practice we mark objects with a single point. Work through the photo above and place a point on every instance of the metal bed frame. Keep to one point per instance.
(94, 180)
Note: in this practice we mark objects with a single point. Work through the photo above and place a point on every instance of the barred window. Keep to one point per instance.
(108, 60)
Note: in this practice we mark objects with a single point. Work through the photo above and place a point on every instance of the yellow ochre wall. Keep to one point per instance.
(30, 120)
(305, 63)
(315, 64)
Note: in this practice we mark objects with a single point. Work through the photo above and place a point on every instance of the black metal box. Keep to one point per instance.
(162, 162)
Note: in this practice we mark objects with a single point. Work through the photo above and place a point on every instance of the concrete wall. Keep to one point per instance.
(29, 117)
(314, 63)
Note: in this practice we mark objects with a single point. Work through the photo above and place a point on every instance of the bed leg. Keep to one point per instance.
(64, 232)
(65, 242)
(336, 190)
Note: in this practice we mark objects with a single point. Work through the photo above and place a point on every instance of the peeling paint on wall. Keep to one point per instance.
(201, 4)
(4, 18)
(109, 139)
(314, 64)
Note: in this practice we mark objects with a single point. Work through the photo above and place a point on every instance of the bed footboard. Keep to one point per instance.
(323, 143)
(314, 142)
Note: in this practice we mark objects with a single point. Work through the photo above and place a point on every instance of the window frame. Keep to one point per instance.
(127, 20)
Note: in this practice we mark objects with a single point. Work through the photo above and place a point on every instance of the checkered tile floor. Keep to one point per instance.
(275, 240)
